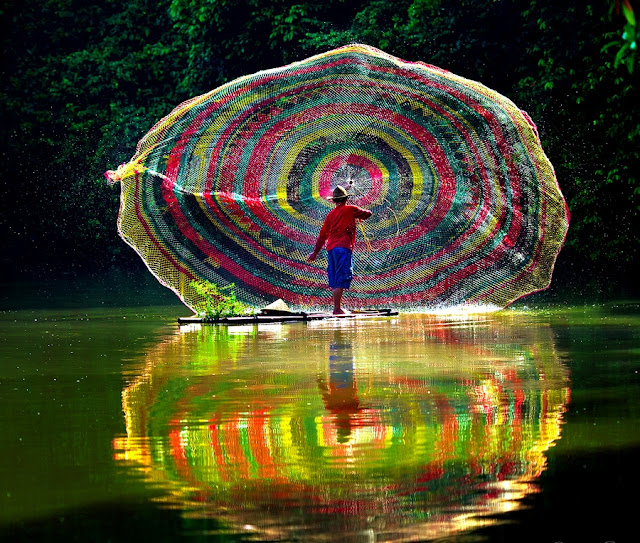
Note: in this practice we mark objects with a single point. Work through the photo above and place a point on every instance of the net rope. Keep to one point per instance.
(231, 187)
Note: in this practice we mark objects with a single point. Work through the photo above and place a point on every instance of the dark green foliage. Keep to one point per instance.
(85, 79)
(588, 104)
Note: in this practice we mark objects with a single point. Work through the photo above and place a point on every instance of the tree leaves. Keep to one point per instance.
(86, 79)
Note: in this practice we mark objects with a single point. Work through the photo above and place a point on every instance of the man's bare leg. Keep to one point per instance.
(337, 301)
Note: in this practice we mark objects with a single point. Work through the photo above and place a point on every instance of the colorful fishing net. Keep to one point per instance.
(231, 187)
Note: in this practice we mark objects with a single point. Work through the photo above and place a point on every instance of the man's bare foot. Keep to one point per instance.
(341, 312)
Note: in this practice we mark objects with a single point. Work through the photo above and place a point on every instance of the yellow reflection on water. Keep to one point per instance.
(405, 429)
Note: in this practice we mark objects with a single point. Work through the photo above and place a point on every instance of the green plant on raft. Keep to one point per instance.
(215, 303)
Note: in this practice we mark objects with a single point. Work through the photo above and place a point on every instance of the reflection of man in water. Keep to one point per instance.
(340, 394)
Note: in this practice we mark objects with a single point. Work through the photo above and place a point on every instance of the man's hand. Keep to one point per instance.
(312, 257)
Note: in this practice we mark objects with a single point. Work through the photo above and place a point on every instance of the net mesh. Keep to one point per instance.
(231, 187)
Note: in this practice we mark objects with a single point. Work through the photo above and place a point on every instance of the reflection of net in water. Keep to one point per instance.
(231, 187)
(457, 430)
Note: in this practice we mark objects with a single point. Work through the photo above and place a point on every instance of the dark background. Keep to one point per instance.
(82, 81)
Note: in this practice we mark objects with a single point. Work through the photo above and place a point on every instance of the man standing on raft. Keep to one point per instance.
(339, 231)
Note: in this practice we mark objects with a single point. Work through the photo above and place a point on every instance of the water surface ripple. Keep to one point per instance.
(405, 429)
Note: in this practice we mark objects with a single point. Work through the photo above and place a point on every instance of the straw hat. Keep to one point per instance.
(339, 193)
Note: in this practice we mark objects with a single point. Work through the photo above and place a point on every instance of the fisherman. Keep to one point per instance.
(339, 232)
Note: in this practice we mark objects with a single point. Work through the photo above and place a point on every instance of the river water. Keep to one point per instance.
(119, 425)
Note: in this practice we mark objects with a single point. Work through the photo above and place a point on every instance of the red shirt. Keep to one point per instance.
(339, 228)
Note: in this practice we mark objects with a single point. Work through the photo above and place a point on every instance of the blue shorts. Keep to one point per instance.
(340, 267)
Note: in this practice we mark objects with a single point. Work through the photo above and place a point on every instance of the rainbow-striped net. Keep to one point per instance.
(231, 187)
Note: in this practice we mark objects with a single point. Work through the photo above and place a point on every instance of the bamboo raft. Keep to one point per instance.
(285, 316)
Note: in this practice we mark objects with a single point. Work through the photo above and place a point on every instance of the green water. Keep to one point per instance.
(118, 425)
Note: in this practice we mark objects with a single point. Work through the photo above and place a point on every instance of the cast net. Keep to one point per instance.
(231, 187)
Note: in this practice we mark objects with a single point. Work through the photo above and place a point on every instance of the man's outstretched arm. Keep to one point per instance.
(318, 248)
